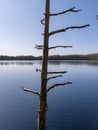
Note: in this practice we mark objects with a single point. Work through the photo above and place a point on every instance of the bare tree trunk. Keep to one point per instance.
(43, 92)
(45, 47)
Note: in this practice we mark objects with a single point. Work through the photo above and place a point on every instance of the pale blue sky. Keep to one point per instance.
(20, 27)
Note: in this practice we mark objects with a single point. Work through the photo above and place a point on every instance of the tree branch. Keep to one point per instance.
(58, 47)
(65, 29)
(59, 72)
(39, 47)
(58, 84)
(63, 12)
(54, 77)
(37, 69)
(42, 21)
(31, 91)
(97, 16)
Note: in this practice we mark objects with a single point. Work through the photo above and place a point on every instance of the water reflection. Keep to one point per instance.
(16, 63)
(52, 62)
(74, 62)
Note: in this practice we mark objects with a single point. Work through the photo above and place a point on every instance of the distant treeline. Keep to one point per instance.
(53, 57)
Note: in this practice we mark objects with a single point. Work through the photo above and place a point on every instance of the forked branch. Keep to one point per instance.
(53, 47)
(31, 91)
(68, 28)
(63, 12)
(59, 72)
(58, 84)
(54, 77)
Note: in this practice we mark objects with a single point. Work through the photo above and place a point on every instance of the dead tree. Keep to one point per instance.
(44, 71)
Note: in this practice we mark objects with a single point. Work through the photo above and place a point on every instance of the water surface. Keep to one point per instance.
(71, 107)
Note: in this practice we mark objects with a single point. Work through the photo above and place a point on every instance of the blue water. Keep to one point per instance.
(71, 107)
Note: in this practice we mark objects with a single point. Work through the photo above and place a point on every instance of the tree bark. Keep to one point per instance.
(43, 91)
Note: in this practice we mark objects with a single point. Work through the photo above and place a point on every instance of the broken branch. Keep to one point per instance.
(58, 84)
(58, 47)
(39, 47)
(42, 21)
(65, 29)
(63, 12)
(31, 91)
(37, 69)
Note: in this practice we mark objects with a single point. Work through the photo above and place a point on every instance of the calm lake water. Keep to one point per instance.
(71, 107)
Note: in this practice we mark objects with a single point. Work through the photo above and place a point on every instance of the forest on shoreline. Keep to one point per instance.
(52, 57)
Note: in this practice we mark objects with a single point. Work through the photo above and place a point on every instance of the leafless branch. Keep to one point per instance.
(37, 69)
(97, 16)
(63, 12)
(59, 72)
(42, 21)
(53, 47)
(58, 84)
(68, 28)
(31, 91)
(54, 77)
(39, 47)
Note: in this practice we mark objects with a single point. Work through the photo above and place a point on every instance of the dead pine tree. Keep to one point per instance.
(45, 78)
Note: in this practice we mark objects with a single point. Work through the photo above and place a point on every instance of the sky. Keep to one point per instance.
(21, 30)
